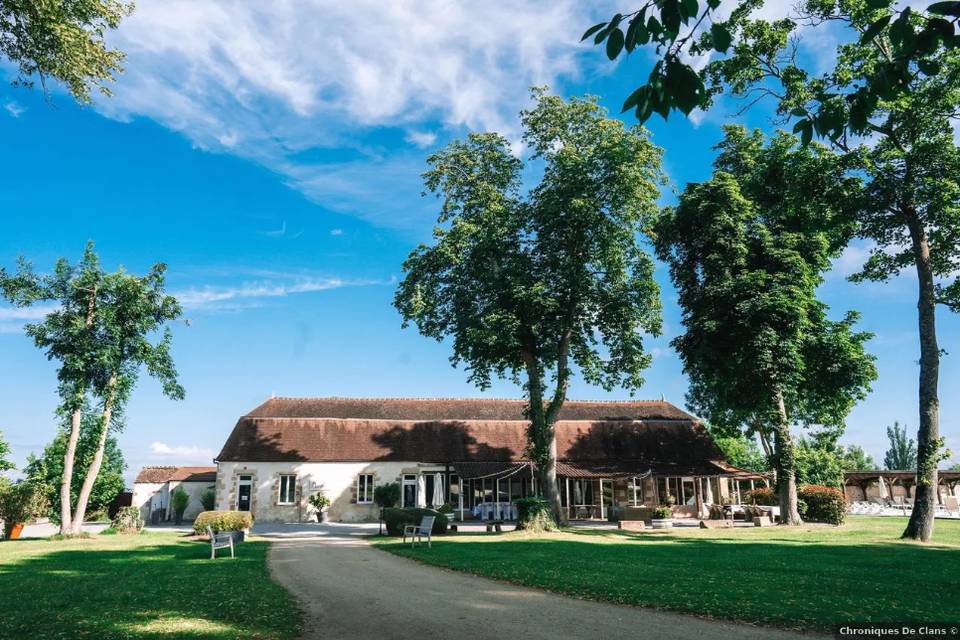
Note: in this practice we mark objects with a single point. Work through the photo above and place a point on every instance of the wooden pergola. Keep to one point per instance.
(888, 479)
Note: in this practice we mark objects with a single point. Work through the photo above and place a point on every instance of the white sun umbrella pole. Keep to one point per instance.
(883, 488)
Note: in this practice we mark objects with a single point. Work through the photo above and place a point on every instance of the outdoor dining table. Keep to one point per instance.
(488, 511)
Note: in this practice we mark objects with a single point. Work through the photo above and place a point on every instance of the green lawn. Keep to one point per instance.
(142, 586)
(806, 578)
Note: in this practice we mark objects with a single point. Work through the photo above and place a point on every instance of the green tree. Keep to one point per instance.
(533, 286)
(62, 39)
(902, 453)
(747, 250)
(46, 471)
(856, 459)
(897, 80)
(743, 452)
(101, 334)
(5, 463)
(819, 462)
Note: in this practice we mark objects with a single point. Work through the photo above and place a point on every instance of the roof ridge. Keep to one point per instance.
(448, 398)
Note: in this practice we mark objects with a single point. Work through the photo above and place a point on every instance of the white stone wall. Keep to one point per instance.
(148, 496)
(337, 479)
(194, 490)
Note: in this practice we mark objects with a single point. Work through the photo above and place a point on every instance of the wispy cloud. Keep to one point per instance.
(14, 109)
(336, 232)
(267, 81)
(421, 139)
(183, 453)
(210, 296)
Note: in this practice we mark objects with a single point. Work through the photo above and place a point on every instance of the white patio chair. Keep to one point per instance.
(219, 541)
(417, 531)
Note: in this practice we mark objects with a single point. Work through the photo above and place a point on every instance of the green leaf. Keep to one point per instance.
(929, 67)
(592, 30)
(615, 43)
(875, 28)
(634, 98)
(690, 9)
(807, 135)
(945, 8)
(721, 37)
(670, 15)
(878, 4)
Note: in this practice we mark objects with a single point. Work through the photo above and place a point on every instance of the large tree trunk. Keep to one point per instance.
(542, 438)
(920, 526)
(76, 420)
(94, 469)
(785, 466)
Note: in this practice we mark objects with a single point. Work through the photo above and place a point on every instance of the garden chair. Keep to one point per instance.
(417, 531)
(219, 541)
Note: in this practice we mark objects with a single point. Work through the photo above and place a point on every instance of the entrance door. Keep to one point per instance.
(243, 494)
(409, 491)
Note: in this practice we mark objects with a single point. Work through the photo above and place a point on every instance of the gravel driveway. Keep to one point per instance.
(353, 590)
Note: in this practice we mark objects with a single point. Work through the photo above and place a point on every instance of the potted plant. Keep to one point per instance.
(386, 495)
(662, 518)
(320, 501)
(179, 500)
(20, 502)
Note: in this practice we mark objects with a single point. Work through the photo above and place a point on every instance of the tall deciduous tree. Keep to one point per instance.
(902, 453)
(47, 470)
(101, 333)
(747, 250)
(64, 40)
(896, 80)
(532, 286)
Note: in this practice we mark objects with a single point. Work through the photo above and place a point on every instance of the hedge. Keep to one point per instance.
(824, 504)
(763, 496)
(223, 521)
(127, 520)
(396, 518)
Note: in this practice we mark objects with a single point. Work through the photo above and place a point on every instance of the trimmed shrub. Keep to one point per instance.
(824, 504)
(662, 513)
(396, 519)
(127, 520)
(222, 521)
(534, 514)
(763, 496)
(20, 502)
(387, 494)
(208, 499)
(179, 500)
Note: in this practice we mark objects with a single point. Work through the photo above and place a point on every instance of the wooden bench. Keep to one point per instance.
(494, 524)
(219, 541)
(417, 531)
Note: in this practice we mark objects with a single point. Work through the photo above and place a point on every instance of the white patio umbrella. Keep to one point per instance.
(438, 497)
(883, 488)
(577, 492)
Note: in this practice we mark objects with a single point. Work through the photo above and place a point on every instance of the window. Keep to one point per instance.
(635, 492)
(288, 488)
(365, 488)
(409, 496)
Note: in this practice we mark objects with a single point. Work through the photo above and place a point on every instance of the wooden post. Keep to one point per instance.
(568, 497)
(696, 493)
(461, 496)
(496, 498)
(602, 516)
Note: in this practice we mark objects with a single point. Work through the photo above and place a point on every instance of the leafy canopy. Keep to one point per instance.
(63, 39)
(5, 463)
(902, 454)
(747, 250)
(539, 282)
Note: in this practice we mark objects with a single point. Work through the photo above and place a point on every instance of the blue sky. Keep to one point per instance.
(271, 158)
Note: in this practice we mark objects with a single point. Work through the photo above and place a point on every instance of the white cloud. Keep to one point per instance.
(183, 453)
(336, 232)
(421, 139)
(35, 312)
(211, 296)
(267, 81)
(14, 109)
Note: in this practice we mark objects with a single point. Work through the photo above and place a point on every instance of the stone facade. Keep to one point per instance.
(338, 480)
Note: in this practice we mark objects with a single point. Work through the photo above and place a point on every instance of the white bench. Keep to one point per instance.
(219, 541)
(417, 531)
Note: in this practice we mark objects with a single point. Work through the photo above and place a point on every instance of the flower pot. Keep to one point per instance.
(321, 516)
(15, 531)
(178, 518)
(665, 523)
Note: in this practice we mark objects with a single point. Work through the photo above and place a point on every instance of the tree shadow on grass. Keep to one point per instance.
(151, 590)
(793, 584)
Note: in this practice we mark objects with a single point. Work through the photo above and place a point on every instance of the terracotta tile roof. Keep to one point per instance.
(180, 474)
(444, 431)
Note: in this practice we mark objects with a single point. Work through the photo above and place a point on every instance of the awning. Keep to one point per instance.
(638, 469)
(491, 470)
(602, 470)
